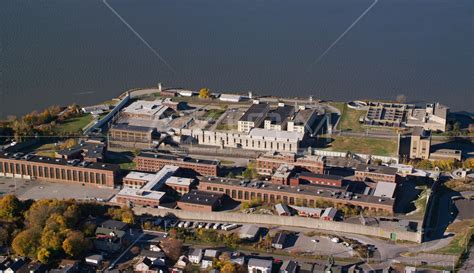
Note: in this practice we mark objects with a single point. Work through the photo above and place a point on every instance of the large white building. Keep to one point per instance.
(257, 139)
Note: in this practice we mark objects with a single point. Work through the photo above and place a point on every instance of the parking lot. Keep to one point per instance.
(35, 189)
(297, 243)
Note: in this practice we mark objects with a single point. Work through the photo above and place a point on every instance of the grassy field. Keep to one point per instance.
(464, 231)
(213, 113)
(74, 125)
(47, 149)
(372, 146)
(349, 117)
(226, 127)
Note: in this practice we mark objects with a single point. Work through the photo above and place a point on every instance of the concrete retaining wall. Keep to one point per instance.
(290, 221)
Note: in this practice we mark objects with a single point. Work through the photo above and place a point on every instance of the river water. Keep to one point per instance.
(63, 51)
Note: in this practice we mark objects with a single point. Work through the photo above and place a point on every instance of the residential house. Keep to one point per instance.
(249, 232)
(145, 265)
(208, 258)
(279, 240)
(195, 255)
(16, 266)
(289, 267)
(260, 266)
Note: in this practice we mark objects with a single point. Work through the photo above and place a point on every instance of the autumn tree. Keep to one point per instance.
(172, 248)
(228, 268)
(10, 207)
(123, 214)
(44, 256)
(26, 242)
(204, 93)
(76, 245)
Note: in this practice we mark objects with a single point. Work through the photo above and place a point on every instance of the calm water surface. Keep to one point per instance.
(63, 51)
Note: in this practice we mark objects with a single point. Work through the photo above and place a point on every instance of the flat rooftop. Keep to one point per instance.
(260, 133)
(201, 197)
(280, 114)
(376, 169)
(317, 175)
(128, 127)
(146, 194)
(178, 158)
(60, 161)
(255, 112)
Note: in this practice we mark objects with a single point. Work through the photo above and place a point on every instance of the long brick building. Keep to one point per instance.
(306, 195)
(153, 162)
(58, 170)
(267, 164)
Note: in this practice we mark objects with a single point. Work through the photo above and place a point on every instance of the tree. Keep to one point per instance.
(26, 242)
(172, 248)
(10, 207)
(44, 256)
(228, 268)
(75, 244)
(204, 93)
(250, 172)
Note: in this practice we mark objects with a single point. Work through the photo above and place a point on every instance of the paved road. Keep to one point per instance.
(36, 189)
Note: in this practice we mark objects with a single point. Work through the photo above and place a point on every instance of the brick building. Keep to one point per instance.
(58, 170)
(317, 179)
(124, 135)
(268, 163)
(152, 162)
(305, 195)
(202, 201)
(374, 173)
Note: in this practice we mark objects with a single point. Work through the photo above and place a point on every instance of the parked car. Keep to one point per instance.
(217, 226)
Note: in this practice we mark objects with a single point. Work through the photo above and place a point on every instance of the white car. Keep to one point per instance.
(335, 240)
(181, 224)
(208, 226)
(201, 225)
(315, 240)
(187, 224)
(217, 226)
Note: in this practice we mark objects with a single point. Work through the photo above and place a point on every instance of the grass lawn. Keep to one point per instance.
(127, 166)
(226, 127)
(371, 146)
(464, 231)
(349, 117)
(213, 113)
(47, 149)
(74, 125)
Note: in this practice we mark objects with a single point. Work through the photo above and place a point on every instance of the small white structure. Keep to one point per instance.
(259, 266)
(186, 93)
(94, 260)
(230, 98)
(249, 232)
(195, 256)
(208, 259)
